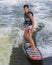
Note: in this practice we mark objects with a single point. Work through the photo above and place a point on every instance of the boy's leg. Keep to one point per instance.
(26, 37)
(31, 41)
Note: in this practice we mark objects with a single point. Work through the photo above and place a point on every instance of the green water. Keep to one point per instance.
(5, 47)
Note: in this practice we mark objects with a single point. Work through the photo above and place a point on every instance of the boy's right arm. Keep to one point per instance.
(23, 26)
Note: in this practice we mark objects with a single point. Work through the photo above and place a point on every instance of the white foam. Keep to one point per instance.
(12, 2)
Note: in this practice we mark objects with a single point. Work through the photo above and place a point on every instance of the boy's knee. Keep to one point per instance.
(29, 37)
(25, 37)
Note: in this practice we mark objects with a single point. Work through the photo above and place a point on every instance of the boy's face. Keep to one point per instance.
(26, 9)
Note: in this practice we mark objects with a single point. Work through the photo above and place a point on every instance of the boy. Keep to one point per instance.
(29, 26)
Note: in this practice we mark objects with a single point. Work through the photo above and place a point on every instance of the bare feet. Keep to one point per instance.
(29, 45)
(34, 50)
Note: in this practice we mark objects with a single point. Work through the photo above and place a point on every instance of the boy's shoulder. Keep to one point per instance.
(30, 12)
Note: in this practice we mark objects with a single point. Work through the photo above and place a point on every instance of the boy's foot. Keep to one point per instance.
(29, 45)
(34, 50)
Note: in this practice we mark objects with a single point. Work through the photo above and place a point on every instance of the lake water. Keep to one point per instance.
(11, 36)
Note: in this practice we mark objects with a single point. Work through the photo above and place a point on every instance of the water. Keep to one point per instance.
(11, 37)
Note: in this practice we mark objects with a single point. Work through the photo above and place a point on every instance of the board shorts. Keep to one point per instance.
(27, 28)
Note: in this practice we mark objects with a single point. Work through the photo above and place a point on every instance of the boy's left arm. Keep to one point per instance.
(32, 19)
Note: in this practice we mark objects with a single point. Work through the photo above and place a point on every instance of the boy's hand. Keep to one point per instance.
(32, 30)
(22, 28)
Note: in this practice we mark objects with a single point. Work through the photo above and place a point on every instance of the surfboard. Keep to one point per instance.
(31, 55)
(28, 50)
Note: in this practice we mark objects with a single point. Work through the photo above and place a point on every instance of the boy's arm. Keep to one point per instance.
(23, 26)
(32, 19)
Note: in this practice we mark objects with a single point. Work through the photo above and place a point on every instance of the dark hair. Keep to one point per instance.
(26, 6)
